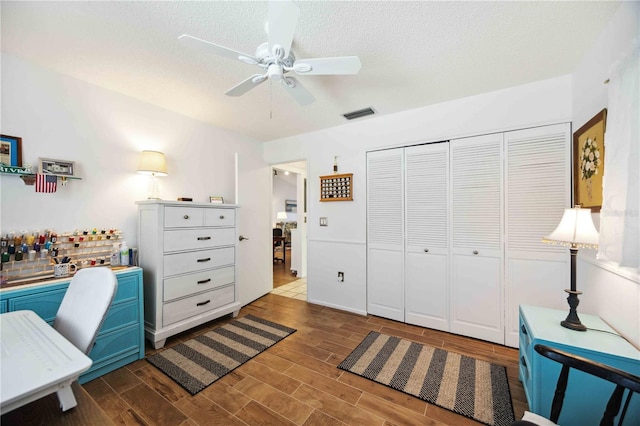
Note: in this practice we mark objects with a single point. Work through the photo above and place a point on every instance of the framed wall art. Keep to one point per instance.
(57, 167)
(216, 200)
(11, 150)
(291, 206)
(588, 162)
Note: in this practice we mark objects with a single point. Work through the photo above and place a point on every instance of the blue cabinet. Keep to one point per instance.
(586, 396)
(120, 340)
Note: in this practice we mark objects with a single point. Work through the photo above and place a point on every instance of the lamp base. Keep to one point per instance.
(573, 322)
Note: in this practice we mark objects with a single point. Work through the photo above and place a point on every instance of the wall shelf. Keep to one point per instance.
(28, 177)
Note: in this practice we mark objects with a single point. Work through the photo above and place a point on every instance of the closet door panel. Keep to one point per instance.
(537, 190)
(477, 296)
(385, 233)
(427, 290)
(427, 235)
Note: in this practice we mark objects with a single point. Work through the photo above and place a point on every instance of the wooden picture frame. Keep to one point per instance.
(11, 150)
(216, 200)
(338, 187)
(56, 167)
(588, 162)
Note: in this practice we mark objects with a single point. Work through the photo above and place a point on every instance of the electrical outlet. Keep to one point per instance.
(340, 277)
(323, 221)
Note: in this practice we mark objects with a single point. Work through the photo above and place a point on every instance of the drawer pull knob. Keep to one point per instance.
(426, 250)
(204, 260)
(524, 329)
(203, 238)
(204, 281)
(475, 252)
(203, 303)
(186, 216)
(221, 216)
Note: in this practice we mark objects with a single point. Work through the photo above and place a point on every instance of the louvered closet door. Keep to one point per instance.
(537, 190)
(427, 239)
(477, 297)
(385, 234)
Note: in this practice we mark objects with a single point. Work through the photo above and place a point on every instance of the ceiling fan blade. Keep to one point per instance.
(248, 84)
(207, 46)
(328, 66)
(297, 91)
(282, 21)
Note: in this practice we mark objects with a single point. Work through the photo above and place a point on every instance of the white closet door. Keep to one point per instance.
(537, 190)
(477, 297)
(385, 234)
(427, 239)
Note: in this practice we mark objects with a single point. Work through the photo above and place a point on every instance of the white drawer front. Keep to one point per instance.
(183, 217)
(194, 283)
(194, 305)
(194, 239)
(219, 217)
(183, 263)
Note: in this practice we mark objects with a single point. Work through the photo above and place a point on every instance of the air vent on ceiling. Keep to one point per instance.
(358, 114)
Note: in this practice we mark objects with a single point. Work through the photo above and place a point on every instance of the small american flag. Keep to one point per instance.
(46, 183)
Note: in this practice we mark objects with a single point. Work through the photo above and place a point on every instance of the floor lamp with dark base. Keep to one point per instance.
(576, 230)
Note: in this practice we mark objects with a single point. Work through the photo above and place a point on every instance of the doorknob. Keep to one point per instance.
(242, 238)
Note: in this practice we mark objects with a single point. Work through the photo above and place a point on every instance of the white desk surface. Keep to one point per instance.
(34, 359)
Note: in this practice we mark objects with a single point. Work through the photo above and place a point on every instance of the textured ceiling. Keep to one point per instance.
(413, 53)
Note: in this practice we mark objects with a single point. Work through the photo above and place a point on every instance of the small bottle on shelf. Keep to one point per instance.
(124, 254)
(115, 255)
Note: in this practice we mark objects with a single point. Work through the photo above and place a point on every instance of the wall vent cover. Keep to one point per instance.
(358, 114)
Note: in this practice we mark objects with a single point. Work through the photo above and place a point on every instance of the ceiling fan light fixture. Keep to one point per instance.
(359, 113)
(275, 72)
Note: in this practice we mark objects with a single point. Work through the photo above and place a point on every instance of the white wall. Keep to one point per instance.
(341, 246)
(103, 132)
(609, 291)
(284, 188)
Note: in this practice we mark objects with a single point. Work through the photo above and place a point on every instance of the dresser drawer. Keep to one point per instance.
(194, 305)
(183, 217)
(120, 315)
(184, 263)
(185, 285)
(219, 217)
(195, 239)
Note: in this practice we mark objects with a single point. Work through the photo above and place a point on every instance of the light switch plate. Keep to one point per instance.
(323, 221)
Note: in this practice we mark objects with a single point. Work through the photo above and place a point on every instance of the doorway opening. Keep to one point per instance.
(288, 218)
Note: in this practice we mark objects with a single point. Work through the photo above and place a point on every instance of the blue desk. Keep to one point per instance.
(586, 396)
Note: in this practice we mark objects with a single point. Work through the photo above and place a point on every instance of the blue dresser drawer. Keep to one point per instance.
(3, 306)
(127, 289)
(113, 344)
(45, 303)
(120, 315)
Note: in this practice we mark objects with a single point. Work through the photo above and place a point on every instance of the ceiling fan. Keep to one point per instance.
(276, 58)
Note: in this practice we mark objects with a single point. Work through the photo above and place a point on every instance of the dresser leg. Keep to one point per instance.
(235, 313)
(159, 343)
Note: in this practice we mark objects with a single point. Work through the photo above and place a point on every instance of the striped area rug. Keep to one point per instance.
(467, 386)
(198, 362)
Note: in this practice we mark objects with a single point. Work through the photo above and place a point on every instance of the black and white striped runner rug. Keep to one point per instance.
(198, 362)
(467, 386)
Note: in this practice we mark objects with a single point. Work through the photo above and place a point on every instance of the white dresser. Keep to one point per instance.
(188, 255)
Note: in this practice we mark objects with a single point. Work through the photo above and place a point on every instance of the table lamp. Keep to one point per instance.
(153, 164)
(282, 216)
(575, 230)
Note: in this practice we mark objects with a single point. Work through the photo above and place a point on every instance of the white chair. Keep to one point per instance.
(82, 312)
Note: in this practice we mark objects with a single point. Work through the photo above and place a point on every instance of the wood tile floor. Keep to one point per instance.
(282, 271)
(294, 382)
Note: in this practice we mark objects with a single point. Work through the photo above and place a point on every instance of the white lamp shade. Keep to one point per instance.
(152, 163)
(281, 215)
(575, 229)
